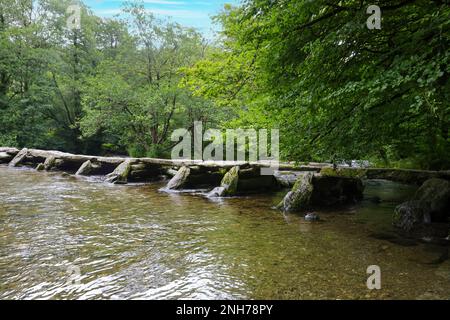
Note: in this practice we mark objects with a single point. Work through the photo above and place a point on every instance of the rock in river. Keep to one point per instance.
(230, 182)
(120, 174)
(312, 217)
(180, 179)
(318, 190)
(431, 203)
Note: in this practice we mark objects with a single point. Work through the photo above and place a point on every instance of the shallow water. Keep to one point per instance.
(63, 237)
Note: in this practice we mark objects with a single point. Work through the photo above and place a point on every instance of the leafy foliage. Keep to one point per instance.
(336, 89)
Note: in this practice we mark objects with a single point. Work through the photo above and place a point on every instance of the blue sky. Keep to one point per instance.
(191, 13)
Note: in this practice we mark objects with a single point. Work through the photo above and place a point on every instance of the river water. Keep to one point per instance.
(71, 238)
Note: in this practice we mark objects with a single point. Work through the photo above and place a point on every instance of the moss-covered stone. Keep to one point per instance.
(120, 174)
(316, 190)
(40, 167)
(300, 195)
(230, 182)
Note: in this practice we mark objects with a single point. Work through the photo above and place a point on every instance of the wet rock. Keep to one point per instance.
(49, 163)
(88, 168)
(18, 158)
(430, 204)
(120, 174)
(230, 182)
(312, 190)
(434, 194)
(40, 167)
(300, 195)
(409, 215)
(180, 179)
(312, 217)
(216, 192)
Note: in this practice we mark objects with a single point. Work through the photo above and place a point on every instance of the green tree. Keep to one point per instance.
(335, 88)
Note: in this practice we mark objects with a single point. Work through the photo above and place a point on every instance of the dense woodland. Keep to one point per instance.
(336, 89)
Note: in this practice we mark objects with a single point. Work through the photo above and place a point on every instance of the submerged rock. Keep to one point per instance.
(216, 192)
(312, 217)
(431, 203)
(120, 174)
(180, 179)
(409, 215)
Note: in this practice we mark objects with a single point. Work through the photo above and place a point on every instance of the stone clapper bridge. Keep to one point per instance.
(312, 184)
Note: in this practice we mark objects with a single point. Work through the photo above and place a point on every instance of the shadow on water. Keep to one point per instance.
(64, 237)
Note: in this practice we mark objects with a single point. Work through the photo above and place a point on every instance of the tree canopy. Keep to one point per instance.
(336, 89)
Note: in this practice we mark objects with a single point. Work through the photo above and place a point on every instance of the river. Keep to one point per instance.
(76, 238)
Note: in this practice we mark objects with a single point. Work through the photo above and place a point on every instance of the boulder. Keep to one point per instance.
(434, 194)
(88, 167)
(49, 163)
(230, 182)
(40, 167)
(409, 215)
(18, 158)
(310, 217)
(180, 179)
(311, 190)
(300, 195)
(120, 174)
(431, 203)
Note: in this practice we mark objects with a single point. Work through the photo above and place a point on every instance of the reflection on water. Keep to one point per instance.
(135, 242)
